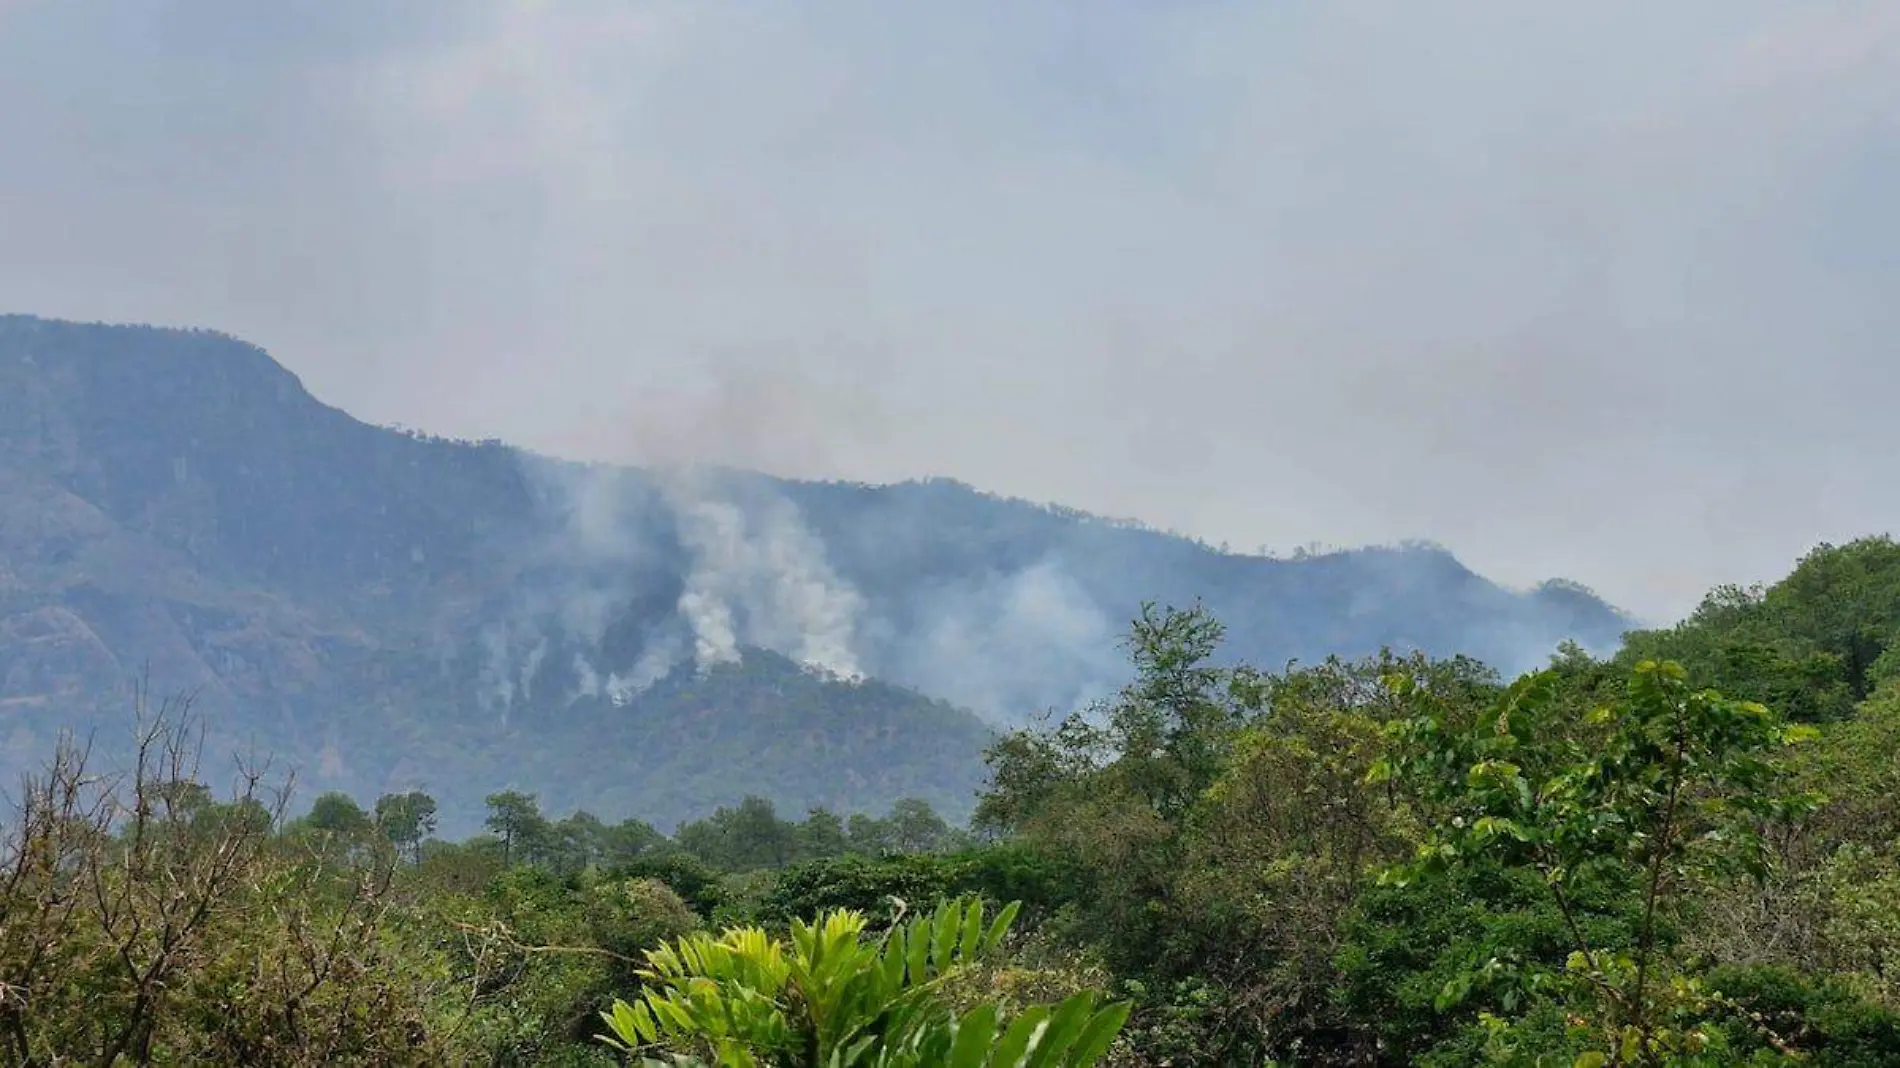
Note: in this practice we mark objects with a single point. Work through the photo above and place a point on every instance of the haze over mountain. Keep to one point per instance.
(1570, 287)
(388, 610)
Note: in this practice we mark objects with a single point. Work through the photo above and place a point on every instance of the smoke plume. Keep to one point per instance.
(635, 573)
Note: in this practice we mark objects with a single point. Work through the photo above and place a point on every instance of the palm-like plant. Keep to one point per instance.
(832, 998)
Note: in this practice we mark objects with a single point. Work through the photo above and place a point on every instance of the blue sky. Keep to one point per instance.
(1602, 290)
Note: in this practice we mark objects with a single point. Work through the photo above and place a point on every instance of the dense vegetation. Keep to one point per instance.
(1399, 860)
(392, 611)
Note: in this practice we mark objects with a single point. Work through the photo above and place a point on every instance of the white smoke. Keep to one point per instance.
(496, 685)
(714, 532)
(715, 637)
(759, 576)
(532, 666)
(587, 680)
(749, 570)
(1024, 642)
(654, 664)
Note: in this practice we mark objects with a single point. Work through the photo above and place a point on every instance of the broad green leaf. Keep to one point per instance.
(1022, 1032)
(975, 1035)
(943, 934)
(1092, 1044)
(1453, 993)
(972, 930)
(918, 938)
(1001, 925)
(1065, 1024)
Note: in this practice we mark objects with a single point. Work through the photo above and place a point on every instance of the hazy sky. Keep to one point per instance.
(1608, 290)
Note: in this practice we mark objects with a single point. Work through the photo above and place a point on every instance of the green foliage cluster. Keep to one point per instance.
(145, 921)
(751, 836)
(1686, 854)
(142, 921)
(1810, 646)
(828, 996)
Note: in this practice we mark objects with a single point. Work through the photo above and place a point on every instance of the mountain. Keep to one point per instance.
(390, 610)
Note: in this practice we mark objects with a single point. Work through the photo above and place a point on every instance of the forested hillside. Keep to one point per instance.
(389, 611)
(1399, 860)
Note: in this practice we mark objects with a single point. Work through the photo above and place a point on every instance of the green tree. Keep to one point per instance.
(516, 819)
(916, 827)
(629, 916)
(1172, 729)
(577, 842)
(697, 883)
(1159, 745)
(1668, 785)
(757, 837)
(744, 838)
(407, 820)
(338, 814)
(628, 840)
(869, 836)
(1811, 645)
(1845, 601)
(821, 836)
(1118, 788)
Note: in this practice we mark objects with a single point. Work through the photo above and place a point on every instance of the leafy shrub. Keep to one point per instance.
(829, 996)
(1816, 1016)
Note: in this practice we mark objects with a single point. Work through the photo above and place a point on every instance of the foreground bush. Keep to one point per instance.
(143, 922)
(829, 996)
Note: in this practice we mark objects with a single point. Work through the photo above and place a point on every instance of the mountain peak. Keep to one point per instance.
(176, 361)
(398, 603)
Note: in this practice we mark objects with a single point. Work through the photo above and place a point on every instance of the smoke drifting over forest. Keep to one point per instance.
(1006, 608)
(642, 572)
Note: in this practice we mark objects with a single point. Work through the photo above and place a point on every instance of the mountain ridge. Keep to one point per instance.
(385, 606)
